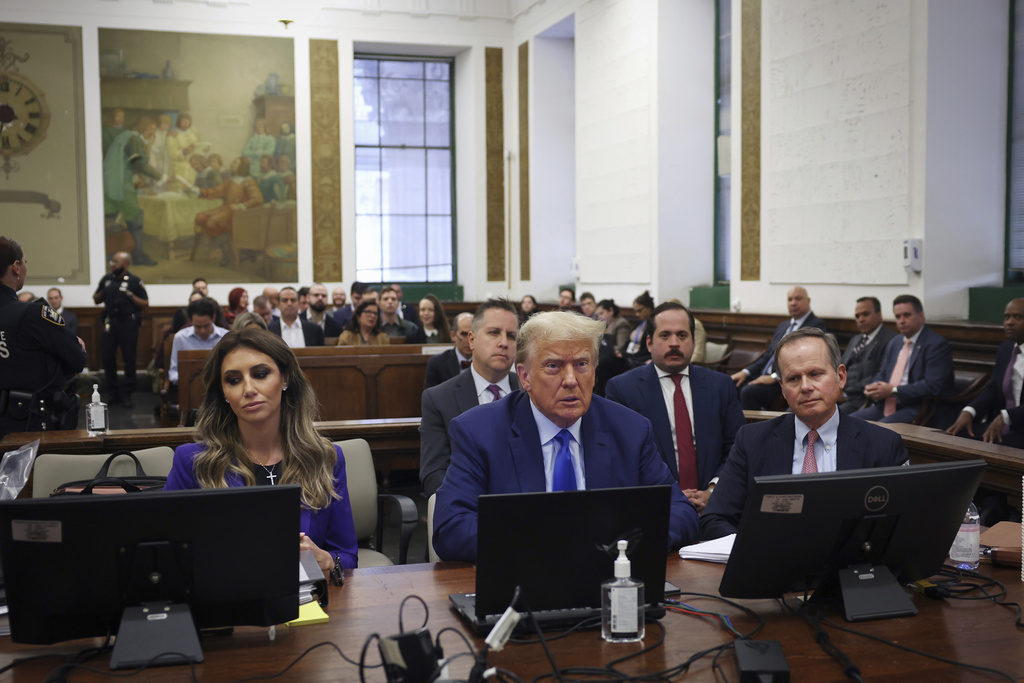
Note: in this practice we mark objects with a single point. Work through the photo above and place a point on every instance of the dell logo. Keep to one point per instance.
(876, 499)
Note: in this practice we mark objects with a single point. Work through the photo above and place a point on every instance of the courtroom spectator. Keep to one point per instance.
(700, 337)
(863, 354)
(917, 364)
(493, 339)
(200, 284)
(394, 325)
(202, 334)
(295, 331)
(303, 299)
(180, 318)
(997, 414)
(26, 297)
(433, 320)
(273, 297)
(245, 442)
(261, 306)
(371, 294)
(337, 299)
(814, 437)
(55, 298)
(636, 353)
(527, 307)
(344, 314)
(364, 327)
(447, 364)
(614, 323)
(694, 411)
(247, 320)
(566, 299)
(409, 312)
(238, 303)
(758, 382)
(317, 311)
(588, 304)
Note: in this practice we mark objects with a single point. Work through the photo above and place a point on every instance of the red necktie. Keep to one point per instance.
(810, 464)
(896, 377)
(684, 439)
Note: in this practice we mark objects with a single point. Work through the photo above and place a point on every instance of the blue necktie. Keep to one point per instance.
(564, 477)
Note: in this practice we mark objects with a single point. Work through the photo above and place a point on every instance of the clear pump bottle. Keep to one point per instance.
(967, 545)
(622, 603)
(96, 414)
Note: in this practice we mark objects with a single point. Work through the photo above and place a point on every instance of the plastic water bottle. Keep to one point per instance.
(966, 546)
(622, 603)
(96, 422)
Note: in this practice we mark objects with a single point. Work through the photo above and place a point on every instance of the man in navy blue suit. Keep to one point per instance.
(555, 435)
(702, 411)
(815, 437)
(998, 411)
(917, 364)
(758, 382)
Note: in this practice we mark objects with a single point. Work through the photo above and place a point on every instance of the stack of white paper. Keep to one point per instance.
(709, 551)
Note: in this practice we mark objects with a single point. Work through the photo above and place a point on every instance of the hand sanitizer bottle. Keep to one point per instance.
(966, 545)
(622, 603)
(96, 414)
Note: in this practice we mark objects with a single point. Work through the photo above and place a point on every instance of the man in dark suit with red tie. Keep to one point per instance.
(999, 408)
(694, 411)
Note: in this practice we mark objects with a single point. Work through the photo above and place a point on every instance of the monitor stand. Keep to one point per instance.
(872, 592)
(152, 630)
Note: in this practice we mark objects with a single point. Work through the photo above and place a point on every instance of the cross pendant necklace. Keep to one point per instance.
(270, 472)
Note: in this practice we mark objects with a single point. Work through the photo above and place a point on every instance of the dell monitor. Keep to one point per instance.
(150, 567)
(862, 532)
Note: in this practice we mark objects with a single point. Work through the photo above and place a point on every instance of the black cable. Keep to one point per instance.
(850, 670)
(295, 661)
(716, 665)
(16, 662)
(362, 655)
(59, 674)
(401, 607)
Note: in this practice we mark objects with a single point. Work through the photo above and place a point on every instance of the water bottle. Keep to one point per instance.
(96, 414)
(966, 545)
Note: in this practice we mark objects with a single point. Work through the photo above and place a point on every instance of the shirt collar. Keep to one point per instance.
(800, 321)
(549, 430)
(874, 333)
(482, 384)
(460, 356)
(685, 372)
(913, 339)
(827, 433)
(297, 325)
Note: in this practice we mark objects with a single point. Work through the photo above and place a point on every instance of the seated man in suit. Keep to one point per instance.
(447, 364)
(55, 298)
(296, 332)
(344, 314)
(815, 437)
(317, 311)
(760, 392)
(687, 405)
(864, 352)
(999, 408)
(201, 334)
(493, 342)
(555, 435)
(917, 363)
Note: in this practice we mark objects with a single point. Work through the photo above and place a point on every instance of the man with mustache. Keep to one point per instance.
(555, 435)
(695, 411)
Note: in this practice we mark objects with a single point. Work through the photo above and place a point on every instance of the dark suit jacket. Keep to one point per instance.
(860, 371)
(992, 399)
(70, 321)
(496, 449)
(931, 368)
(311, 332)
(766, 448)
(343, 315)
(717, 415)
(411, 312)
(440, 405)
(441, 368)
(757, 367)
(331, 326)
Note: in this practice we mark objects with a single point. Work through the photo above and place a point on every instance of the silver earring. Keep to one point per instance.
(285, 388)
(227, 401)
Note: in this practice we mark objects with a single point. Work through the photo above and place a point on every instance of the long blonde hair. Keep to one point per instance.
(308, 458)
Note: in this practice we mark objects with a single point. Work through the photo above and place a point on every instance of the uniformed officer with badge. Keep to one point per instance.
(38, 356)
(123, 296)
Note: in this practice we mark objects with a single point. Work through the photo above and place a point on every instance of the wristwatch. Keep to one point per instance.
(894, 390)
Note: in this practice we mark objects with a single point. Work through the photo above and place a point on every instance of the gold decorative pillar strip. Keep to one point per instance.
(495, 134)
(524, 161)
(325, 131)
(750, 147)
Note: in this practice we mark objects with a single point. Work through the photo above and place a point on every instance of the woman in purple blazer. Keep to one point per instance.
(255, 428)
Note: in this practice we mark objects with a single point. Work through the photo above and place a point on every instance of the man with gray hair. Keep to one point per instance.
(447, 364)
(815, 437)
(554, 436)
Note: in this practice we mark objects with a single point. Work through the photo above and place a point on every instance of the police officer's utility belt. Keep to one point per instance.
(14, 401)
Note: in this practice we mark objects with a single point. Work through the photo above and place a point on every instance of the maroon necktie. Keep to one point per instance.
(684, 438)
(494, 389)
(465, 364)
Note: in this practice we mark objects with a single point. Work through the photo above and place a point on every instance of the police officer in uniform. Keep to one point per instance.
(123, 296)
(38, 355)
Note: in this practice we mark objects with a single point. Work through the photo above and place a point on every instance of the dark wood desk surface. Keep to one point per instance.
(975, 632)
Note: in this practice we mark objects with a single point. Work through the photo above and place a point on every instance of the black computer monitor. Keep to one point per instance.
(857, 532)
(137, 565)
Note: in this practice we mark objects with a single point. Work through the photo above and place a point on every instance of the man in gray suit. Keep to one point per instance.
(492, 339)
(864, 353)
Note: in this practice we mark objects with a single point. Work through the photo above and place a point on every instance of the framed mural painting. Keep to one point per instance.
(199, 155)
(42, 151)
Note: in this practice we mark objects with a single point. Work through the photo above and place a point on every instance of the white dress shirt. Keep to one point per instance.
(292, 334)
(824, 449)
(548, 430)
(186, 338)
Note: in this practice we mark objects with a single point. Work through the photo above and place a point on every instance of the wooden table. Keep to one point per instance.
(974, 632)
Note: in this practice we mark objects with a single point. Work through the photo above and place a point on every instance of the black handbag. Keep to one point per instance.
(103, 483)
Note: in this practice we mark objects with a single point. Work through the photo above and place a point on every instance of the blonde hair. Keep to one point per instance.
(552, 326)
(309, 459)
(243, 321)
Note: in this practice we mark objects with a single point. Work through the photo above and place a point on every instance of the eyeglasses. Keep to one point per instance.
(370, 313)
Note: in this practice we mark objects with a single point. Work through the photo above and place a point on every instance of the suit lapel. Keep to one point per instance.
(780, 450)
(851, 453)
(656, 411)
(701, 407)
(465, 392)
(524, 447)
(597, 457)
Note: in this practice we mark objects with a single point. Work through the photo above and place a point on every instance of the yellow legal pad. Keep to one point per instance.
(310, 613)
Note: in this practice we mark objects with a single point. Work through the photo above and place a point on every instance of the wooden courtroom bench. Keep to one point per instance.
(351, 382)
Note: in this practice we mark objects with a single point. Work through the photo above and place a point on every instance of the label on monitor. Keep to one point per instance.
(783, 504)
(36, 530)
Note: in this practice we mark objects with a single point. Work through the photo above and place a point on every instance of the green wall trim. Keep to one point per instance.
(986, 304)
(445, 291)
(713, 296)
